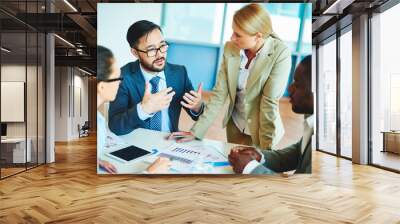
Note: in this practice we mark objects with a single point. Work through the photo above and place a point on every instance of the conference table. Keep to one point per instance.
(155, 141)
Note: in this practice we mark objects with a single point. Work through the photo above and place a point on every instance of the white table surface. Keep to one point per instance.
(149, 140)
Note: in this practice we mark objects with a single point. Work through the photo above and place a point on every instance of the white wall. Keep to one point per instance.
(114, 20)
(67, 114)
(33, 127)
(61, 103)
(80, 83)
(16, 73)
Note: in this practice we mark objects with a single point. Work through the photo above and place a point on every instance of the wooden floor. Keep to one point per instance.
(21, 168)
(70, 191)
(10, 171)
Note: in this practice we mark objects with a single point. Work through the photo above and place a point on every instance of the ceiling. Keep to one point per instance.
(332, 15)
(74, 21)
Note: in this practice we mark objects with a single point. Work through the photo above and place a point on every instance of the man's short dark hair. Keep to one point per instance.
(138, 30)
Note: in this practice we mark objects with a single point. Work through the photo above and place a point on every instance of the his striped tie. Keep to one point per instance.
(155, 121)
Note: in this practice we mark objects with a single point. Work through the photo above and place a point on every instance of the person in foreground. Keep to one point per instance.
(253, 77)
(296, 157)
(153, 91)
(108, 80)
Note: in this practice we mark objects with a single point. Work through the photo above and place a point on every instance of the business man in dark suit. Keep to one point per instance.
(296, 157)
(153, 91)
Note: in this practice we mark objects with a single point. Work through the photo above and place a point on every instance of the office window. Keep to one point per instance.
(200, 22)
(41, 96)
(346, 94)
(13, 83)
(314, 90)
(394, 102)
(113, 35)
(327, 97)
(289, 10)
(385, 89)
(306, 48)
(31, 97)
(230, 11)
(285, 21)
(22, 94)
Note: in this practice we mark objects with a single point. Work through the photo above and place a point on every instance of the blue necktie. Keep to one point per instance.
(155, 121)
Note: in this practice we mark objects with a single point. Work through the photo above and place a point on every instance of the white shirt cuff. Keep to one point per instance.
(142, 115)
(250, 166)
(262, 160)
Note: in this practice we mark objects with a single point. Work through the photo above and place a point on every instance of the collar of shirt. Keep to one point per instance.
(244, 59)
(148, 76)
(308, 131)
(309, 121)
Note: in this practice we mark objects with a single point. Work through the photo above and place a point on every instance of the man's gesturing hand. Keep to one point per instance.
(152, 103)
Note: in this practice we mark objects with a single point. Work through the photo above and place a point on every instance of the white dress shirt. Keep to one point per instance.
(162, 84)
(101, 136)
(238, 114)
(101, 133)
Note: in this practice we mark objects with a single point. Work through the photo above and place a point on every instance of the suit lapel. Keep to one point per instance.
(172, 81)
(138, 78)
(306, 148)
(233, 75)
(262, 63)
(170, 78)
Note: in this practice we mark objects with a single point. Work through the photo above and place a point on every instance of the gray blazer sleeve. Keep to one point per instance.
(280, 160)
(260, 169)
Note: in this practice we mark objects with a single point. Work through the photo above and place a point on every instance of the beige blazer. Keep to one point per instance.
(265, 86)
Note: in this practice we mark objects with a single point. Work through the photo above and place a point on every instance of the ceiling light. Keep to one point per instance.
(337, 7)
(71, 6)
(64, 40)
(5, 50)
(86, 72)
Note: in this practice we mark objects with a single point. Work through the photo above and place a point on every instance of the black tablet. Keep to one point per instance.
(129, 153)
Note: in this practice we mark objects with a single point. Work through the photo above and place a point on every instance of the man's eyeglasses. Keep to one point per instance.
(110, 80)
(153, 52)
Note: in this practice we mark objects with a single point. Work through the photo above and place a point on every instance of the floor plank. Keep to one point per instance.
(70, 191)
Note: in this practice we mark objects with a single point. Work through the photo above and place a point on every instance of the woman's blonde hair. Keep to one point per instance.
(254, 18)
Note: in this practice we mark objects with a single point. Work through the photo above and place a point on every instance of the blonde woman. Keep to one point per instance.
(253, 77)
(108, 80)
